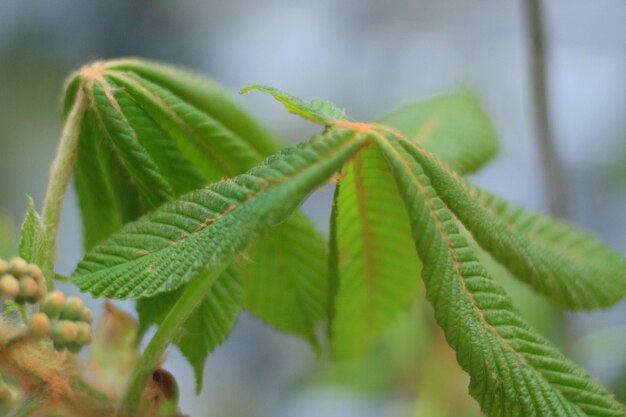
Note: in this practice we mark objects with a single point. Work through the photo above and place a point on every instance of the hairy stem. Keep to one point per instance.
(191, 298)
(60, 174)
(551, 167)
(29, 405)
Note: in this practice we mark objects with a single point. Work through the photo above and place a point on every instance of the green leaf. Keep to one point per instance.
(203, 94)
(175, 168)
(316, 110)
(286, 280)
(569, 266)
(107, 196)
(33, 234)
(193, 133)
(114, 129)
(214, 149)
(202, 231)
(454, 127)
(207, 327)
(513, 370)
(377, 267)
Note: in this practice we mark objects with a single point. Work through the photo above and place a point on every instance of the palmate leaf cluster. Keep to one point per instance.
(154, 137)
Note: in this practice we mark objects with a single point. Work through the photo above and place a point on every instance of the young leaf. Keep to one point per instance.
(175, 167)
(207, 327)
(33, 234)
(570, 267)
(206, 96)
(286, 281)
(316, 110)
(104, 207)
(513, 370)
(194, 134)
(206, 142)
(453, 127)
(203, 230)
(116, 132)
(377, 267)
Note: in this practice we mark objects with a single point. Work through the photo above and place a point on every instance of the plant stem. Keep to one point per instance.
(29, 405)
(60, 174)
(23, 314)
(190, 299)
(551, 167)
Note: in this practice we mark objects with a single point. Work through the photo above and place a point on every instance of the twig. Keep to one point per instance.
(551, 166)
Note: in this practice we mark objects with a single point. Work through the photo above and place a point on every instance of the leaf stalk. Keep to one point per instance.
(60, 174)
(191, 298)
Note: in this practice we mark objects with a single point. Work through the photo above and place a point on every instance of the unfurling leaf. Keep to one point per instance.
(33, 235)
(154, 132)
(454, 127)
(316, 110)
(513, 370)
(205, 229)
(377, 268)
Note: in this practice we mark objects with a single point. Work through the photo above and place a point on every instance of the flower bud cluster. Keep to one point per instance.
(66, 320)
(21, 281)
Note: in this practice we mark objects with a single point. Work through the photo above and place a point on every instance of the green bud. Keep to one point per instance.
(83, 336)
(87, 315)
(18, 267)
(53, 304)
(28, 289)
(42, 290)
(40, 325)
(9, 286)
(34, 271)
(73, 309)
(64, 331)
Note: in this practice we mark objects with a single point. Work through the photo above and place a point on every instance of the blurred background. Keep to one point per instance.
(366, 56)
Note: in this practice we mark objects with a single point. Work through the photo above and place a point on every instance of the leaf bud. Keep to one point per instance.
(87, 315)
(73, 309)
(9, 286)
(40, 325)
(28, 289)
(34, 271)
(18, 267)
(42, 290)
(83, 336)
(64, 331)
(53, 304)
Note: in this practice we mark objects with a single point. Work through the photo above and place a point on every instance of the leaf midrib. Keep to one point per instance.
(473, 193)
(459, 274)
(271, 184)
(226, 165)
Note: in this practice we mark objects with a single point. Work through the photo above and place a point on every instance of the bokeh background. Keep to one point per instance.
(366, 56)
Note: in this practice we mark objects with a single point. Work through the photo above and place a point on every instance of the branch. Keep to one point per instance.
(551, 166)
